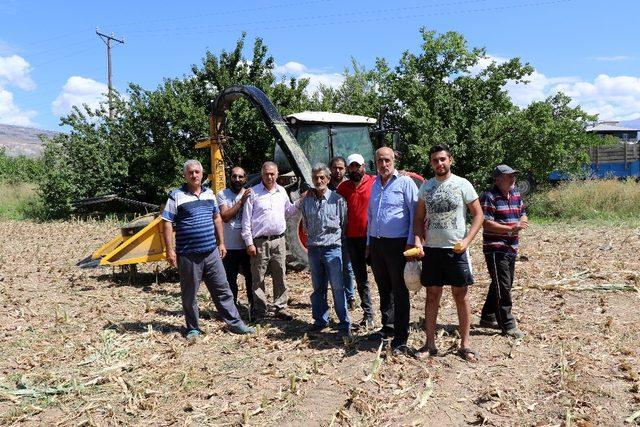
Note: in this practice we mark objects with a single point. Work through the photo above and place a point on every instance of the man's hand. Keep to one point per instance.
(417, 257)
(223, 250)
(171, 258)
(461, 246)
(251, 250)
(245, 195)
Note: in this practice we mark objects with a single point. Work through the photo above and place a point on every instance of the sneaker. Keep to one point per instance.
(381, 334)
(345, 334)
(402, 350)
(351, 303)
(192, 334)
(242, 329)
(515, 333)
(316, 328)
(367, 323)
(489, 323)
(283, 314)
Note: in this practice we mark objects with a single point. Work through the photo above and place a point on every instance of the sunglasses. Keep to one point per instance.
(238, 176)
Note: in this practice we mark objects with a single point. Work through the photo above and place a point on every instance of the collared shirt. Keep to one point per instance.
(505, 210)
(232, 228)
(391, 208)
(325, 218)
(357, 198)
(265, 212)
(192, 217)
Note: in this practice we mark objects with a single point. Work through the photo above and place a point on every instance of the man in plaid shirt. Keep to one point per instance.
(504, 217)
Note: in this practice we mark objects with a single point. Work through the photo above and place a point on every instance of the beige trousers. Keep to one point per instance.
(271, 258)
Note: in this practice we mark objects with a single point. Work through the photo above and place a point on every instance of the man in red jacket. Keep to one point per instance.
(357, 192)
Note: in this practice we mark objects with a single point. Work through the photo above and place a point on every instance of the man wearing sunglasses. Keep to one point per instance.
(231, 201)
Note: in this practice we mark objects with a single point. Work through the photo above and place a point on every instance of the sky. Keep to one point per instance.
(52, 59)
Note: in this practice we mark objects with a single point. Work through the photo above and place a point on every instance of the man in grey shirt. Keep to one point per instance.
(324, 213)
(231, 202)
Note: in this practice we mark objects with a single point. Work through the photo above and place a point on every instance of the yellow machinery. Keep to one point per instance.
(142, 240)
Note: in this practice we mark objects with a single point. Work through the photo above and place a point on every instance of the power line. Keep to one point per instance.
(216, 13)
(177, 31)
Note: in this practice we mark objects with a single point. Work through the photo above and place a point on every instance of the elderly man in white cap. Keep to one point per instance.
(357, 192)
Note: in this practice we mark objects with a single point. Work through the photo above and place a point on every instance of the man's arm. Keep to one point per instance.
(411, 199)
(219, 230)
(228, 212)
(418, 221)
(167, 236)
(476, 225)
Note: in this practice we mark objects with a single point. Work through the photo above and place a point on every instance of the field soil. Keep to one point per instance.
(103, 347)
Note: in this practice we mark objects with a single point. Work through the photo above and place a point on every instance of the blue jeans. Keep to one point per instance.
(347, 273)
(325, 264)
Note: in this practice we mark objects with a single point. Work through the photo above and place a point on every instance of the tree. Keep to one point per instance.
(546, 136)
(139, 153)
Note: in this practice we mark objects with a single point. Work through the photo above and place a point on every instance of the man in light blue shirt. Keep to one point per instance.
(389, 234)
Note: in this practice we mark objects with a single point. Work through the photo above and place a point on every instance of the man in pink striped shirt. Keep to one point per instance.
(263, 229)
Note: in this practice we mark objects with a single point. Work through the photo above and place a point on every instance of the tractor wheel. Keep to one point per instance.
(296, 238)
(525, 185)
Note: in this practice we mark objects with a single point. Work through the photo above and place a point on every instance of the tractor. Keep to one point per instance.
(302, 140)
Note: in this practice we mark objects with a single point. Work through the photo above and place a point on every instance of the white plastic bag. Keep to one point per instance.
(412, 272)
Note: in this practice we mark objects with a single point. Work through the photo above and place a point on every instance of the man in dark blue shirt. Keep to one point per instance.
(193, 212)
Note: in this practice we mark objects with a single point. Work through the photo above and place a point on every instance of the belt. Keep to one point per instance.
(274, 237)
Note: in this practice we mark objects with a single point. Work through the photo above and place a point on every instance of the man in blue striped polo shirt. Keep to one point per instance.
(193, 212)
(504, 217)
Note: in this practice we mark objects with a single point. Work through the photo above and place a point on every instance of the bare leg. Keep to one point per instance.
(461, 297)
(431, 313)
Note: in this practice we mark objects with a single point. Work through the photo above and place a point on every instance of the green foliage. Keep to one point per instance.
(140, 151)
(18, 200)
(19, 169)
(588, 200)
(441, 94)
(445, 92)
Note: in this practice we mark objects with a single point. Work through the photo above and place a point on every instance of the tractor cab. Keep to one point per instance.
(323, 135)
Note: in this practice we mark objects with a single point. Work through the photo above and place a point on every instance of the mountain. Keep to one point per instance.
(20, 140)
(635, 123)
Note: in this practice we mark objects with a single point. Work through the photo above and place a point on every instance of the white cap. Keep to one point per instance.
(355, 158)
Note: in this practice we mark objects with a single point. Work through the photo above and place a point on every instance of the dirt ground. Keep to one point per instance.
(85, 347)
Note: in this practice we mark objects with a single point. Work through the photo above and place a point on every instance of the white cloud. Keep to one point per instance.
(77, 91)
(14, 71)
(316, 77)
(611, 97)
(10, 114)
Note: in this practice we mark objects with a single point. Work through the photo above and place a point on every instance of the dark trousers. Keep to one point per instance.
(357, 247)
(193, 269)
(498, 304)
(387, 263)
(235, 260)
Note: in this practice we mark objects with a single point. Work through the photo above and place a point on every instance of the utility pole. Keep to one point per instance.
(107, 40)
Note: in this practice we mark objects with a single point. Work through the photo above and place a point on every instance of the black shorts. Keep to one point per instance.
(442, 266)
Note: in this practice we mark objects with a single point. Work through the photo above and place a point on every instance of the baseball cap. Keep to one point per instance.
(357, 158)
(503, 169)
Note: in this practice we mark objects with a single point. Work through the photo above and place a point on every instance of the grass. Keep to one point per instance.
(16, 199)
(611, 201)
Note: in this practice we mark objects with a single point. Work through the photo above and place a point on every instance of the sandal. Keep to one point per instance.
(424, 350)
(469, 355)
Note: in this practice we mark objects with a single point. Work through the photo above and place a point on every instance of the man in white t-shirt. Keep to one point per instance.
(440, 224)
(231, 201)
